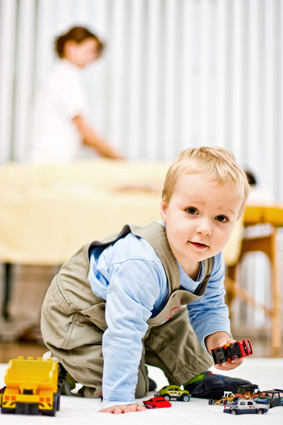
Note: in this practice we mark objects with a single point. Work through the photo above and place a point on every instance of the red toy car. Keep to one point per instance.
(232, 351)
(156, 403)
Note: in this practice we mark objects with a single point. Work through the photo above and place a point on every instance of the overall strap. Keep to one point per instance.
(208, 265)
(155, 235)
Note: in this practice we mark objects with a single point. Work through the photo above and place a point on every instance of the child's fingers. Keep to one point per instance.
(108, 410)
(128, 408)
(114, 409)
(134, 408)
(229, 365)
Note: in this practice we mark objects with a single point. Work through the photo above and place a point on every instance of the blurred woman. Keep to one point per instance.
(59, 126)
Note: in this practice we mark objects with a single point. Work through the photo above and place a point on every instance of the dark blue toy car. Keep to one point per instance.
(271, 398)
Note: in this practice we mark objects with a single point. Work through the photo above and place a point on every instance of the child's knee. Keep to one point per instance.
(141, 390)
(143, 383)
(91, 392)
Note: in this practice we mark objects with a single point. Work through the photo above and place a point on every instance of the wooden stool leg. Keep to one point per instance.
(276, 338)
(7, 290)
(230, 293)
(268, 245)
(230, 289)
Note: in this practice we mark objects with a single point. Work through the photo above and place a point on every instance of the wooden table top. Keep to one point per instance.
(257, 214)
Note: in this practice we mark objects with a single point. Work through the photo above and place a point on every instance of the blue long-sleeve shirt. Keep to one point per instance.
(130, 277)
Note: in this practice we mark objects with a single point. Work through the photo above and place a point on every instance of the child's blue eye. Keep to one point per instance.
(222, 218)
(192, 210)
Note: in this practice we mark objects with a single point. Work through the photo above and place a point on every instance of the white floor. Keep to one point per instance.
(267, 373)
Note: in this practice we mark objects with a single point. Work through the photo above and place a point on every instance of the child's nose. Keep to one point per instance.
(204, 227)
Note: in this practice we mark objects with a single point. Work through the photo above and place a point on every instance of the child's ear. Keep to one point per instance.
(163, 210)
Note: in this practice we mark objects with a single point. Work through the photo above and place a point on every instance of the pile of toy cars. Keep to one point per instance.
(249, 399)
(245, 391)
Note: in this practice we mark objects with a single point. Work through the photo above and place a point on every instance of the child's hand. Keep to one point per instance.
(128, 408)
(218, 339)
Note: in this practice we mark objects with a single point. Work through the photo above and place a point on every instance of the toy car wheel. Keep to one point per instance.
(48, 412)
(58, 402)
(5, 410)
(234, 412)
(51, 412)
(185, 398)
(211, 401)
(167, 397)
(269, 405)
(260, 411)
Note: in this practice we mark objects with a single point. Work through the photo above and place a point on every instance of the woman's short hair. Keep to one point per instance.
(78, 34)
(215, 163)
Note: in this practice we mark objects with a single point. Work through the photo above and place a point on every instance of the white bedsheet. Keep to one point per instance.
(267, 373)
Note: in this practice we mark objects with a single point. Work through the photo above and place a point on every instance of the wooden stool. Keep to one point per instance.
(254, 215)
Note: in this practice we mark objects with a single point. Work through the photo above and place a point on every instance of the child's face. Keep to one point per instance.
(199, 219)
(81, 54)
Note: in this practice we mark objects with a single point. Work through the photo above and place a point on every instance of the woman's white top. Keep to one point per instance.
(54, 136)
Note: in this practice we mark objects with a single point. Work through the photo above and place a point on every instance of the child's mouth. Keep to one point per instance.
(198, 245)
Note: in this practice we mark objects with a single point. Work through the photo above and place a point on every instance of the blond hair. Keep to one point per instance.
(217, 163)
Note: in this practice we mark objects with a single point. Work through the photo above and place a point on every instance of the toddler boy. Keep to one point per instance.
(151, 295)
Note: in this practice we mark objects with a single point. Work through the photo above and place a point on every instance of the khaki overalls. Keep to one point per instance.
(73, 320)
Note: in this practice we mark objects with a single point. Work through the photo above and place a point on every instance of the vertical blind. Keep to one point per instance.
(176, 73)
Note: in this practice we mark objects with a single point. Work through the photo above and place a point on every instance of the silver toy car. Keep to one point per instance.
(245, 407)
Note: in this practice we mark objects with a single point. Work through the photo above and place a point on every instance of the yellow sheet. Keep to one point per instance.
(48, 211)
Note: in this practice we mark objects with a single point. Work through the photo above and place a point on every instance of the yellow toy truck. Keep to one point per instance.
(31, 387)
